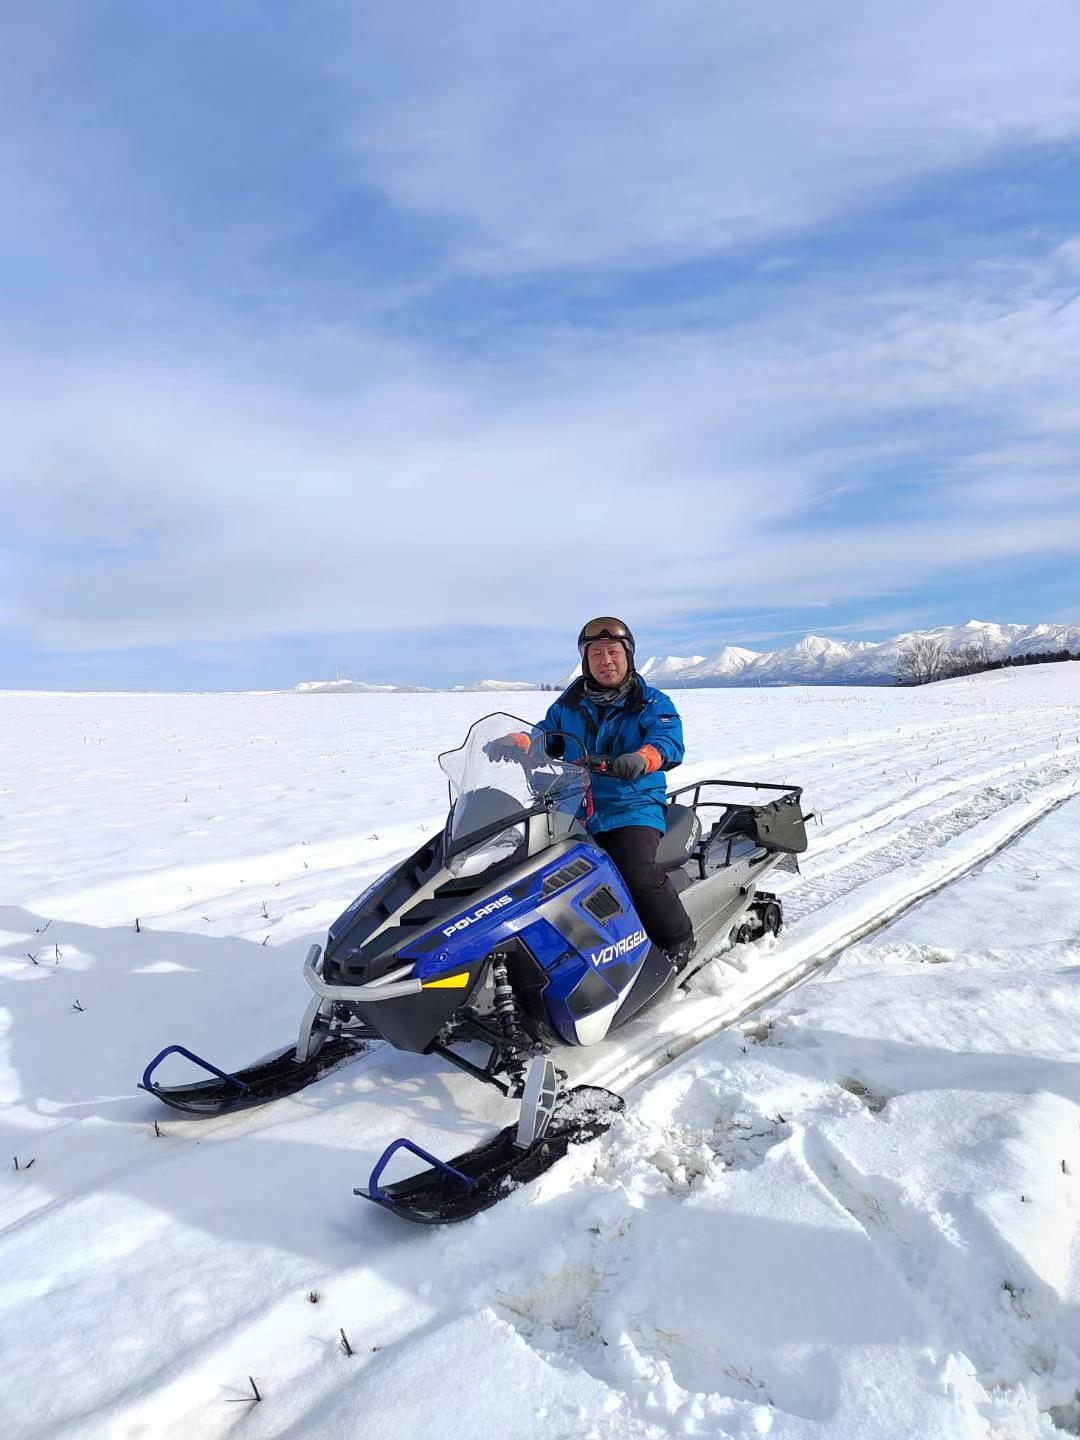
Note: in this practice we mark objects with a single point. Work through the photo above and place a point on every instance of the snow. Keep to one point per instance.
(728, 661)
(356, 687)
(500, 685)
(850, 1215)
(816, 659)
(669, 667)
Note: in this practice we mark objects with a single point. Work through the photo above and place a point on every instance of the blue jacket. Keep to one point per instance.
(643, 717)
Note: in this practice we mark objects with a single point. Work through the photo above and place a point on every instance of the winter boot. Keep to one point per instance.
(680, 954)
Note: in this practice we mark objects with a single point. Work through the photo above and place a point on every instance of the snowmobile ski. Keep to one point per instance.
(460, 1188)
(270, 1079)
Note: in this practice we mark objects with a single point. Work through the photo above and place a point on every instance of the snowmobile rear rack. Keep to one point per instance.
(698, 785)
(777, 825)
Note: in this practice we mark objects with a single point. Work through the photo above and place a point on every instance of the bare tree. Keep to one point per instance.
(970, 659)
(921, 662)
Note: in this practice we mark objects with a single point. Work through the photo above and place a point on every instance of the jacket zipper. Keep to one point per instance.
(592, 733)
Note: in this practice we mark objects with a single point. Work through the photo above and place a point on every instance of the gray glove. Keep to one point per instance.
(508, 748)
(630, 766)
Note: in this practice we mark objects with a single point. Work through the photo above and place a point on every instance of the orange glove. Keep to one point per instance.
(636, 763)
(508, 747)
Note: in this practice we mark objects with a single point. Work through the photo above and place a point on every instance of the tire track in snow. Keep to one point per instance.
(917, 799)
(688, 1025)
(930, 825)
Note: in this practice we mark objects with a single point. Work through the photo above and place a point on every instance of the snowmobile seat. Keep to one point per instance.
(683, 828)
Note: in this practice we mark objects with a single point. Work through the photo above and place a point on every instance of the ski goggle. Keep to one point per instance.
(606, 627)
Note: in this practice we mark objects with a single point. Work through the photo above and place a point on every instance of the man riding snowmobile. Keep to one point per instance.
(613, 712)
(510, 937)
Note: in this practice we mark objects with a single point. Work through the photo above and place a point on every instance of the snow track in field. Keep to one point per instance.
(146, 1277)
(932, 838)
(853, 883)
(987, 789)
(795, 957)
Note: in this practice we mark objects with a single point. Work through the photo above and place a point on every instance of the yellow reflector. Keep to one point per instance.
(448, 982)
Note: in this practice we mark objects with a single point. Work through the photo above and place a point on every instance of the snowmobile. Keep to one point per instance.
(506, 937)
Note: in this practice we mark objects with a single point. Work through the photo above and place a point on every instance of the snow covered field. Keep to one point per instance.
(852, 1217)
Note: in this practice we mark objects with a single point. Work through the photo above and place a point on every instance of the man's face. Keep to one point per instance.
(608, 662)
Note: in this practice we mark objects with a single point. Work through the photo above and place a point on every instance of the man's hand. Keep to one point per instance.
(508, 747)
(630, 767)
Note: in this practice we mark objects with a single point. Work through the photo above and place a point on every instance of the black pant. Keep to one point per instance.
(633, 848)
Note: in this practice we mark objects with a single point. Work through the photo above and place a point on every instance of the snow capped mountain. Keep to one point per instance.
(669, 667)
(728, 661)
(500, 685)
(817, 660)
(877, 663)
(361, 687)
(694, 669)
(813, 660)
(724, 665)
(809, 661)
(356, 687)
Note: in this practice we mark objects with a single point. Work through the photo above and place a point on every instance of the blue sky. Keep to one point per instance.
(398, 343)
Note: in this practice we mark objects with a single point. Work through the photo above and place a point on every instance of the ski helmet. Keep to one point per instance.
(605, 627)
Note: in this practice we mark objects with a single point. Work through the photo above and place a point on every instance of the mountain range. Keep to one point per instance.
(362, 687)
(813, 660)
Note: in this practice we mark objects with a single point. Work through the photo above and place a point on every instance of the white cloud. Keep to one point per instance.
(145, 504)
(203, 490)
(570, 135)
(1068, 254)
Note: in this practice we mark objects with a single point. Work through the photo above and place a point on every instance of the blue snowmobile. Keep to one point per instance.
(506, 937)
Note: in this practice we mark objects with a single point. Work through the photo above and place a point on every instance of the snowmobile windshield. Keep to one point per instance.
(502, 770)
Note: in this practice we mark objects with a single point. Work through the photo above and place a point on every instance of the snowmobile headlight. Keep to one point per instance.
(367, 893)
(475, 859)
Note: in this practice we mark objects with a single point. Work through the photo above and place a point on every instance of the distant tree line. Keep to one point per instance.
(924, 661)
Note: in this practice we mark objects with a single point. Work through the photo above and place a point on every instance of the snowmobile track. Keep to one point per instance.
(947, 794)
(647, 1060)
(931, 822)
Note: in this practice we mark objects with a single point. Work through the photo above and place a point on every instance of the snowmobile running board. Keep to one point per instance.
(270, 1079)
(460, 1188)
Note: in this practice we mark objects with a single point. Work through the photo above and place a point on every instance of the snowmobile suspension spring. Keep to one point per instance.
(505, 1002)
(506, 1011)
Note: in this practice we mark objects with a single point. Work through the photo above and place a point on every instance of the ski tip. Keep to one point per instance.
(450, 1191)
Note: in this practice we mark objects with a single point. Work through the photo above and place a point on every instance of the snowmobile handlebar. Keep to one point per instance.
(555, 749)
(552, 747)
